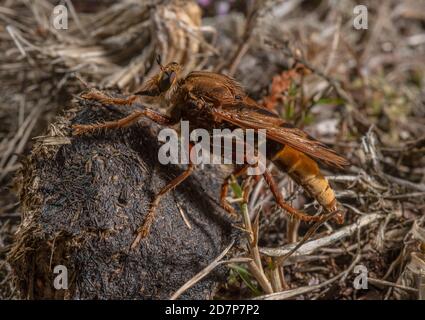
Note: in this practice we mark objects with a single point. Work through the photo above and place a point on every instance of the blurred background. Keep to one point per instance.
(359, 90)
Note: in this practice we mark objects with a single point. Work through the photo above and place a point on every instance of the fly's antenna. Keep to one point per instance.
(158, 60)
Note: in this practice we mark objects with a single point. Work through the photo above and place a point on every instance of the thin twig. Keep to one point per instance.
(255, 266)
(203, 273)
(391, 284)
(313, 245)
(302, 290)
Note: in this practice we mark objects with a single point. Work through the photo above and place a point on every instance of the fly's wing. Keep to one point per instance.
(213, 87)
(252, 117)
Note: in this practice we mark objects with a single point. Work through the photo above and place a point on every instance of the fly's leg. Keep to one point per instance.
(225, 187)
(242, 170)
(120, 123)
(281, 202)
(124, 122)
(144, 229)
(103, 98)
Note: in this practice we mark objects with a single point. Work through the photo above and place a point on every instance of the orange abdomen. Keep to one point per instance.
(305, 172)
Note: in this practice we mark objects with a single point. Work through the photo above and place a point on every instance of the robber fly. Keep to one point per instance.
(209, 100)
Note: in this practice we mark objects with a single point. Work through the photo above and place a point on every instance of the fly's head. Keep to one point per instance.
(161, 86)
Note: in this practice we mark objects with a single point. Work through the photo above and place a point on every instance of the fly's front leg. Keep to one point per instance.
(124, 122)
(78, 129)
(103, 98)
(160, 118)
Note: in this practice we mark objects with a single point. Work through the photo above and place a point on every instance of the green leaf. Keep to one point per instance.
(237, 190)
(246, 278)
(333, 101)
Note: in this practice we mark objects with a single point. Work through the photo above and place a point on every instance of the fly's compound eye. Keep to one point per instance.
(166, 80)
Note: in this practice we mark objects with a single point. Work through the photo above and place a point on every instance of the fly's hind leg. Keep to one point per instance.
(281, 202)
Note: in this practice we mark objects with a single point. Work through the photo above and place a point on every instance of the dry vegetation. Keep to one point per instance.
(360, 91)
